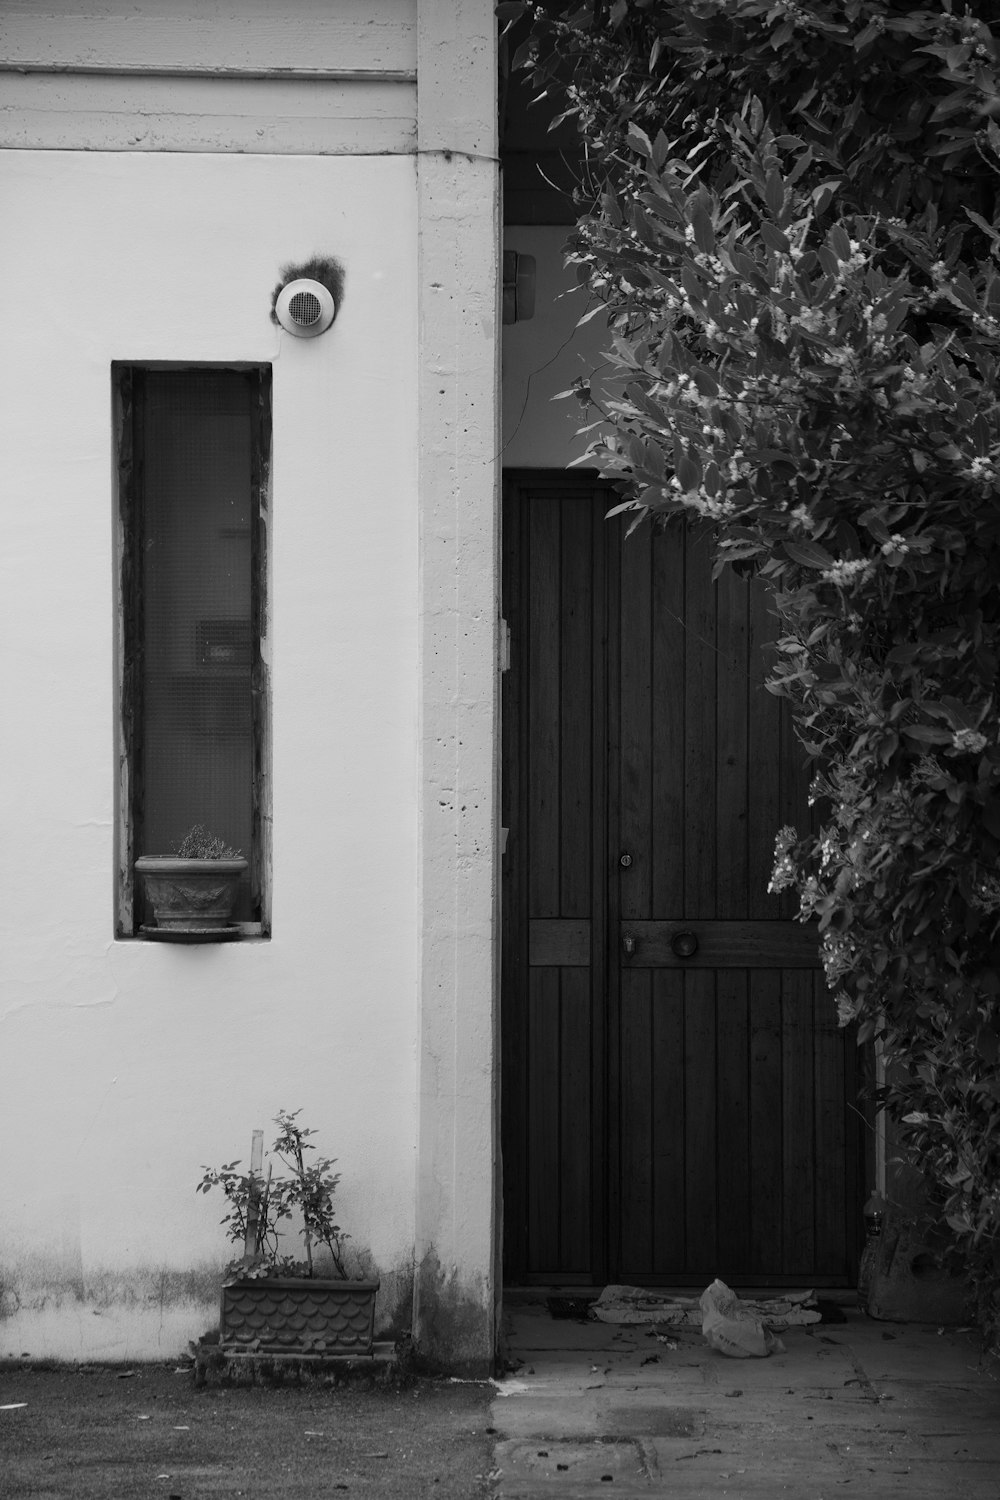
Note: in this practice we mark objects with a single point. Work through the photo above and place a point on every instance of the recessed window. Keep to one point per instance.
(193, 457)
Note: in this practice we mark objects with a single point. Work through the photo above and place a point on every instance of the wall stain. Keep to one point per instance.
(51, 1283)
(452, 1325)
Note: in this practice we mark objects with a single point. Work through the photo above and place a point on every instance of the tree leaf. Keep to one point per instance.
(809, 554)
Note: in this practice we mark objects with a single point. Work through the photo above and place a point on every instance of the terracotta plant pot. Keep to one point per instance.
(298, 1316)
(190, 895)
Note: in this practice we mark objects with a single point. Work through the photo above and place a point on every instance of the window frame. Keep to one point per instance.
(127, 395)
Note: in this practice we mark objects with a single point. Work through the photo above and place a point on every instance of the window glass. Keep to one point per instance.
(193, 634)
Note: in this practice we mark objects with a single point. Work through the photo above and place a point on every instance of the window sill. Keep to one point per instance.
(198, 936)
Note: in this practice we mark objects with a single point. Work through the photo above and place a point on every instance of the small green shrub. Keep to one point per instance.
(265, 1203)
(199, 843)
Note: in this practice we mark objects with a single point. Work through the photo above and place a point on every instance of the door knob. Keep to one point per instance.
(628, 943)
(684, 944)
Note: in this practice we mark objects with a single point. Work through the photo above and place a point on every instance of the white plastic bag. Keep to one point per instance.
(732, 1328)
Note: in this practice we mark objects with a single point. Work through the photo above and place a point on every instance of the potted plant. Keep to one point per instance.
(193, 891)
(273, 1303)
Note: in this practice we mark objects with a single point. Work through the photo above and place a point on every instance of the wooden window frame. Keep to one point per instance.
(126, 384)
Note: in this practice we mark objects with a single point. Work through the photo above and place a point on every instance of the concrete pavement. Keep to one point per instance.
(852, 1408)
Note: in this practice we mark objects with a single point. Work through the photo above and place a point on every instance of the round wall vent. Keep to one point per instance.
(305, 308)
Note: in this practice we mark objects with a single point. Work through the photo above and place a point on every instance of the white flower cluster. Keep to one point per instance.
(982, 470)
(813, 320)
(986, 895)
(856, 261)
(784, 871)
(848, 572)
(968, 741)
(847, 1009)
(896, 543)
(837, 954)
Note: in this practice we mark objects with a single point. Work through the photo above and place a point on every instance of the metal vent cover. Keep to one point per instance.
(305, 308)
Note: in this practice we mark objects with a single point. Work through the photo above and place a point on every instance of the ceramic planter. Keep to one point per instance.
(190, 896)
(298, 1316)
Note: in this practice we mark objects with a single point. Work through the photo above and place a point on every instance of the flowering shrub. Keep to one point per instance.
(792, 226)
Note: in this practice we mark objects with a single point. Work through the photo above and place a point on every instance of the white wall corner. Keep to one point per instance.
(458, 377)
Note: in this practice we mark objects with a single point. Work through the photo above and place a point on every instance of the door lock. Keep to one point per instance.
(625, 861)
(628, 943)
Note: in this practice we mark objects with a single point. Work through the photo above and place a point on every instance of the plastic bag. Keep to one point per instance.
(733, 1329)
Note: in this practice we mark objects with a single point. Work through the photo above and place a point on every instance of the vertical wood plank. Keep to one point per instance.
(859, 1080)
(543, 707)
(636, 1083)
(699, 721)
(732, 689)
(766, 1122)
(612, 977)
(763, 754)
(575, 704)
(544, 1109)
(667, 822)
(635, 745)
(700, 1138)
(796, 776)
(832, 1224)
(732, 1094)
(575, 1122)
(603, 921)
(667, 1111)
(800, 1166)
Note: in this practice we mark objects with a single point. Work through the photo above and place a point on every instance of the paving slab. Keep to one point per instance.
(847, 1408)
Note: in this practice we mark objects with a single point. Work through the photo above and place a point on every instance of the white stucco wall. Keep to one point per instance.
(124, 1065)
(544, 354)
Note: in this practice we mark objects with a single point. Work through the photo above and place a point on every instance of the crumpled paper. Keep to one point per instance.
(639, 1304)
(735, 1328)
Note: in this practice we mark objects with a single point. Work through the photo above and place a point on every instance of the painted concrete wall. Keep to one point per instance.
(124, 1066)
(544, 355)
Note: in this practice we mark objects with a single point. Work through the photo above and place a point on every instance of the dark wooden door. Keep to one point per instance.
(678, 1100)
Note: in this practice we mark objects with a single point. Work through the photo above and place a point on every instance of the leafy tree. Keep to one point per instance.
(790, 216)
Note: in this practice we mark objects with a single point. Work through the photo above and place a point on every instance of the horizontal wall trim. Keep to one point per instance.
(273, 115)
(208, 70)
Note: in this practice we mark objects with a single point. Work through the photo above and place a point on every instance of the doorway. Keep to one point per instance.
(678, 1101)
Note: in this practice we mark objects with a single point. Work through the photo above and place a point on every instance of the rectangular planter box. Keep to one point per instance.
(289, 1315)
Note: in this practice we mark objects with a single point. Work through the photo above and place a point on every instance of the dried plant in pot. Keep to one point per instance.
(274, 1303)
(193, 891)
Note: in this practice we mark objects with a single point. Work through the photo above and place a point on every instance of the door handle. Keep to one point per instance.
(684, 943)
(628, 943)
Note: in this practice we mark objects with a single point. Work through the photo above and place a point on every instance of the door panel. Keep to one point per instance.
(555, 806)
(668, 1115)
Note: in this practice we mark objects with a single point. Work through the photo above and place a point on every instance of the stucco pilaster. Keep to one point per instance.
(458, 197)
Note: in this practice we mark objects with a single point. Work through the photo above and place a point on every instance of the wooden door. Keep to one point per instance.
(678, 1100)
